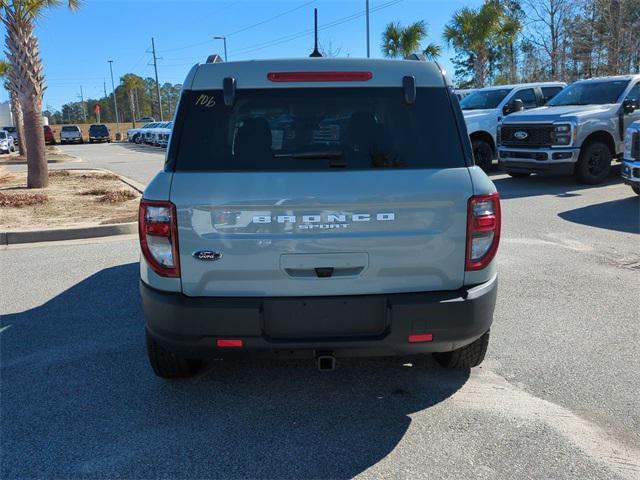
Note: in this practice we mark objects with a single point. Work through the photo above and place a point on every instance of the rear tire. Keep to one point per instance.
(482, 154)
(636, 189)
(167, 364)
(468, 356)
(519, 174)
(594, 164)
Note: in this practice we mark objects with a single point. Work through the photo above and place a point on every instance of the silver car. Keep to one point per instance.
(6, 142)
(319, 208)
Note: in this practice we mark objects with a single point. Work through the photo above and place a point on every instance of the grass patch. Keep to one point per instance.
(97, 191)
(22, 199)
(100, 176)
(5, 175)
(59, 173)
(117, 196)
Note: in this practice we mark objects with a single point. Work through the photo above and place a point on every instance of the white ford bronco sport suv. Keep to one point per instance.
(321, 208)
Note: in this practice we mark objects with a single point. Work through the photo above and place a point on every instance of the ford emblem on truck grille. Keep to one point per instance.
(520, 135)
(207, 255)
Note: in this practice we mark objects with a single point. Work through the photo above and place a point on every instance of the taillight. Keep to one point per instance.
(483, 230)
(319, 76)
(157, 227)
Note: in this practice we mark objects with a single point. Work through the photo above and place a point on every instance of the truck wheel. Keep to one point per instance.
(167, 364)
(482, 154)
(518, 174)
(594, 164)
(468, 356)
(636, 188)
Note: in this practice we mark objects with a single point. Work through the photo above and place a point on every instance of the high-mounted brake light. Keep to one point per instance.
(319, 76)
(483, 230)
(157, 227)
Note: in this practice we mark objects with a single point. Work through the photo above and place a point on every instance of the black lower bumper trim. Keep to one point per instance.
(356, 325)
(563, 168)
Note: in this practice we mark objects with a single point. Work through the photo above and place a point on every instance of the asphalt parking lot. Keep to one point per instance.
(556, 398)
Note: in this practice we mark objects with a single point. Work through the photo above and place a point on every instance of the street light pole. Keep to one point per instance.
(115, 100)
(367, 21)
(224, 39)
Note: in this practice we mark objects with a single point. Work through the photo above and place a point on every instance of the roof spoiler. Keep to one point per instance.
(215, 58)
(416, 56)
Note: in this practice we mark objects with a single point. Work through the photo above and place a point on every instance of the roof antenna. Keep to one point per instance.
(315, 52)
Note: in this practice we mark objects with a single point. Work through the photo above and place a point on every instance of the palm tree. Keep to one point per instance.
(399, 41)
(19, 18)
(476, 32)
(5, 67)
(131, 83)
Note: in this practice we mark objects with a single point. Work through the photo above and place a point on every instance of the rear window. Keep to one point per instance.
(70, 129)
(98, 128)
(315, 129)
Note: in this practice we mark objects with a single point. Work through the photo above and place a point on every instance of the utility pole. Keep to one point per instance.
(224, 39)
(84, 110)
(367, 21)
(155, 67)
(115, 100)
(104, 84)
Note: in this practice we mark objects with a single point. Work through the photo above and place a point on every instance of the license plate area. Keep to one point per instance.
(325, 317)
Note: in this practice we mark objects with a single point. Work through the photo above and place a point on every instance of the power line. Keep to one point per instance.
(295, 36)
(243, 29)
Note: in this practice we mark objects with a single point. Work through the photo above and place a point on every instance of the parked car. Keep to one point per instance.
(71, 134)
(374, 239)
(146, 120)
(484, 108)
(49, 138)
(13, 131)
(159, 133)
(579, 132)
(6, 142)
(99, 132)
(631, 164)
(463, 92)
(134, 134)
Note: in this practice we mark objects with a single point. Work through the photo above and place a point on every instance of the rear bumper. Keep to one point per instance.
(296, 325)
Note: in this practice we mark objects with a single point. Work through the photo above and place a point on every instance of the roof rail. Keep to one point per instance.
(215, 58)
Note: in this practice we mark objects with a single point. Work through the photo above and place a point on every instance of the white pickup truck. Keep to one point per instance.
(483, 109)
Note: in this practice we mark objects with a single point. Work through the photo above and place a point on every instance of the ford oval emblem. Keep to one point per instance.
(207, 255)
(520, 135)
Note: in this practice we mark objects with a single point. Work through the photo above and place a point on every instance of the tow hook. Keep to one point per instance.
(326, 363)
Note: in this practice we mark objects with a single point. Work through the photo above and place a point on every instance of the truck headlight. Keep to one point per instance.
(563, 134)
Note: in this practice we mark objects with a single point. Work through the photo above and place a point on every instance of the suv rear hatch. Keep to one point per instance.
(324, 191)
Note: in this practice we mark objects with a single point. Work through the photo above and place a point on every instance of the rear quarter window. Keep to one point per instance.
(315, 129)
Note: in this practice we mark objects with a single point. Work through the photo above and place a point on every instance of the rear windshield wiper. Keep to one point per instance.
(335, 156)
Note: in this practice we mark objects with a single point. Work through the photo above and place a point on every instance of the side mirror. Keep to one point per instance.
(518, 105)
(628, 106)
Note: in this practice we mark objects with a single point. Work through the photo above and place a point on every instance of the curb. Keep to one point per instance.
(74, 233)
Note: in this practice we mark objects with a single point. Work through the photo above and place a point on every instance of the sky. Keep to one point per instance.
(75, 46)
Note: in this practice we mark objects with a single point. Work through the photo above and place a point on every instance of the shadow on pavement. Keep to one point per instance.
(78, 399)
(138, 147)
(534, 185)
(622, 215)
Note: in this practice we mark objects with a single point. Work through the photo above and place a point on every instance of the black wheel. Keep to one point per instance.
(167, 364)
(482, 154)
(519, 174)
(594, 164)
(636, 189)
(468, 356)
(13, 149)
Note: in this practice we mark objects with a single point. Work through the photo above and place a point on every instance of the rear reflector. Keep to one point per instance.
(420, 337)
(319, 76)
(225, 343)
